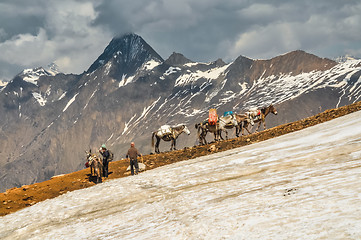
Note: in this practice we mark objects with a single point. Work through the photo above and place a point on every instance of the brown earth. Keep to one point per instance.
(17, 198)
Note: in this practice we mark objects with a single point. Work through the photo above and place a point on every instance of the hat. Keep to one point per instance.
(103, 146)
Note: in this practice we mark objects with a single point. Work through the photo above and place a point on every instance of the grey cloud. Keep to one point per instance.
(9, 70)
(193, 28)
(18, 19)
(63, 34)
(206, 30)
(74, 33)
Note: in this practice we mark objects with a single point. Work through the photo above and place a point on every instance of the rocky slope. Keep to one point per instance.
(46, 124)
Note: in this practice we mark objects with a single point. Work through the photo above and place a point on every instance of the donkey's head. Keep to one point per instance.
(272, 109)
(88, 155)
(186, 130)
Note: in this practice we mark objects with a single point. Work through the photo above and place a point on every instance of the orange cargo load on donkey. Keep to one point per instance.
(213, 117)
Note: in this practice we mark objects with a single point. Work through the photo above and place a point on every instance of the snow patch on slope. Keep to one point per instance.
(39, 98)
(150, 65)
(192, 77)
(124, 81)
(130, 125)
(70, 102)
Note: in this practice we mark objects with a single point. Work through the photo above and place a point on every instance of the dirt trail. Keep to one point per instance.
(17, 198)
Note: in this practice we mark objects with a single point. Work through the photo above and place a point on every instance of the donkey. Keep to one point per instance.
(243, 120)
(96, 166)
(168, 133)
(203, 128)
(224, 123)
(227, 122)
(259, 116)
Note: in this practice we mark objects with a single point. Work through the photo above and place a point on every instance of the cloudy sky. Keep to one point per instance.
(73, 33)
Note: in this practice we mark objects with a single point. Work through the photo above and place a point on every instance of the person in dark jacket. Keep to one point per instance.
(132, 155)
(105, 153)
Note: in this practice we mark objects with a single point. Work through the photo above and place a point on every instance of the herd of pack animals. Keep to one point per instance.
(167, 133)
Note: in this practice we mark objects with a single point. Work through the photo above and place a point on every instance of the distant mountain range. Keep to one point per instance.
(48, 119)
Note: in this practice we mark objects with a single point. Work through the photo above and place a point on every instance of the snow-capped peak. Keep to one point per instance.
(345, 58)
(3, 84)
(32, 75)
(52, 69)
(129, 52)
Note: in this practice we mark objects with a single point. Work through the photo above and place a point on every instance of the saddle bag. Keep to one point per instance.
(212, 117)
(165, 130)
(225, 114)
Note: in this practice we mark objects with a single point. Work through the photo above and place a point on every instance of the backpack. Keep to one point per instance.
(213, 117)
(111, 156)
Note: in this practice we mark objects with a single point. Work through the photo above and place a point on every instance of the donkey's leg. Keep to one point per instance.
(215, 136)
(202, 137)
(157, 145)
(204, 141)
(239, 129)
(100, 174)
(101, 169)
(97, 173)
(259, 125)
(174, 143)
(220, 134)
(245, 126)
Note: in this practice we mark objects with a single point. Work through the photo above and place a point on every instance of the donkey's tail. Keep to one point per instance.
(153, 139)
(198, 127)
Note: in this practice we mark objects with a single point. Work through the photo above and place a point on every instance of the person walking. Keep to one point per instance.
(132, 155)
(105, 153)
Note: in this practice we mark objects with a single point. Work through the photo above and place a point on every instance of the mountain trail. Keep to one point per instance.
(18, 198)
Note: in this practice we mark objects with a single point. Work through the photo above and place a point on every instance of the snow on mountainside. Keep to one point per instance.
(265, 90)
(32, 76)
(303, 185)
(278, 89)
(130, 91)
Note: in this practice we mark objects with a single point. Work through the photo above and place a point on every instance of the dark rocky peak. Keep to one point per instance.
(292, 63)
(241, 65)
(177, 59)
(218, 63)
(296, 62)
(127, 52)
